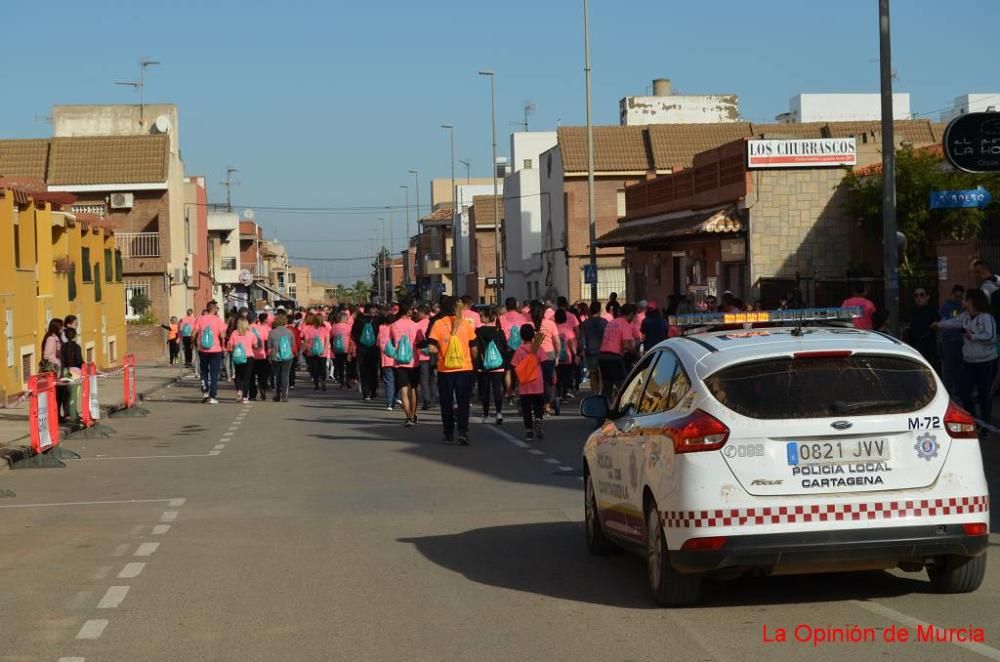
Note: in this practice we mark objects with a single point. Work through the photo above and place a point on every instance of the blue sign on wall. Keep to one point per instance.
(589, 274)
(971, 198)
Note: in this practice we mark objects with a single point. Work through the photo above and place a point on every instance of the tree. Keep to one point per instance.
(918, 173)
(362, 290)
(383, 260)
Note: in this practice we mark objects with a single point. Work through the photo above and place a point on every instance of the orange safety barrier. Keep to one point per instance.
(43, 412)
(128, 381)
(90, 407)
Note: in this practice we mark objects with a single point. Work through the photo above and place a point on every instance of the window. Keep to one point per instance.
(87, 273)
(119, 267)
(8, 332)
(112, 349)
(527, 164)
(71, 281)
(858, 385)
(109, 260)
(97, 283)
(90, 352)
(621, 203)
(132, 288)
(229, 263)
(17, 247)
(657, 395)
(27, 364)
(630, 396)
(291, 277)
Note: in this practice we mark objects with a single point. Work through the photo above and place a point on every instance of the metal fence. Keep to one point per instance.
(138, 244)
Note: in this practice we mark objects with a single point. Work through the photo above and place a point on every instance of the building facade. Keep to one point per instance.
(664, 107)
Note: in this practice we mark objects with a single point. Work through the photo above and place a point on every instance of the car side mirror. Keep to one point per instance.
(594, 406)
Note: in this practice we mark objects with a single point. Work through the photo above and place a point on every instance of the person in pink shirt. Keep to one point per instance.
(531, 391)
(340, 342)
(428, 376)
(261, 366)
(209, 335)
(388, 364)
(407, 373)
(185, 328)
(316, 347)
(640, 315)
(248, 341)
(511, 322)
(619, 340)
(566, 362)
(861, 300)
(609, 311)
(469, 314)
(549, 345)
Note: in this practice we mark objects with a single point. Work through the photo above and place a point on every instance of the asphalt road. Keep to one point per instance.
(322, 529)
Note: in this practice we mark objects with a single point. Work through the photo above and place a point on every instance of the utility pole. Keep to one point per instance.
(890, 256)
(392, 259)
(454, 212)
(468, 171)
(229, 184)
(406, 244)
(496, 194)
(140, 87)
(590, 152)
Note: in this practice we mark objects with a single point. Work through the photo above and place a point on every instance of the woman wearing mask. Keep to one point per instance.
(979, 353)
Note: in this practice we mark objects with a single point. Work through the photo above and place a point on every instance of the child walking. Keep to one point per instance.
(527, 364)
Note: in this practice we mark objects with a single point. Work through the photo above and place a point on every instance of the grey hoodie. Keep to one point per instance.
(980, 345)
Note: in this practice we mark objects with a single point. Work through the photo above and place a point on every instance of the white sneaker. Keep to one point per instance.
(484, 420)
(213, 401)
(389, 408)
(499, 419)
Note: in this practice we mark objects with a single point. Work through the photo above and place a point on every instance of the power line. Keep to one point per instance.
(334, 259)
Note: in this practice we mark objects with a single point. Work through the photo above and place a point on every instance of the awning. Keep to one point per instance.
(275, 295)
(648, 233)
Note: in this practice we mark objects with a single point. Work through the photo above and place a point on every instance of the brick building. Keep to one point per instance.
(480, 280)
(434, 254)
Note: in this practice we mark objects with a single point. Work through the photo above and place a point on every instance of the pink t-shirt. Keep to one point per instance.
(342, 329)
(309, 332)
(247, 340)
(473, 317)
(550, 314)
(186, 321)
(422, 354)
(616, 333)
(637, 323)
(409, 328)
(218, 327)
(551, 337)
(383, 338)
(568, 336)
(867, 312)
(537, 385)
(511, 319)
(608, 316)
(263, 330)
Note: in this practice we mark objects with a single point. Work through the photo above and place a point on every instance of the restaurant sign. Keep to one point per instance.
(806, 153)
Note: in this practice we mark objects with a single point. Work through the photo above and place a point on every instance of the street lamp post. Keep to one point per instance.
(454, 212)
(496, 203)
(468, 171)
(406, 244)
(381, 263)
(591, 216)
(889, 249)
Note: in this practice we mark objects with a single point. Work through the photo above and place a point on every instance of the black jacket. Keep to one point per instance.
(484, 335)
(71, 357)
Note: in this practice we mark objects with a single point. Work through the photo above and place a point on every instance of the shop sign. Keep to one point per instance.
(805, 153)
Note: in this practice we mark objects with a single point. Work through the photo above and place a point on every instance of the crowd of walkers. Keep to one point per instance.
(534, 356)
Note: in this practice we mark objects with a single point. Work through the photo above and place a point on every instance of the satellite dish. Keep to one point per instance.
(162, 124)
(248, 214)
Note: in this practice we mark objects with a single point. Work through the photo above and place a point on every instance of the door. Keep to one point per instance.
(614, 482)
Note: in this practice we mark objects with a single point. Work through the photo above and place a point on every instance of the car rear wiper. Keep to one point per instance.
(841, 407)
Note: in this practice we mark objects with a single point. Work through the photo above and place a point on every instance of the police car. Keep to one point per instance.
(785, 442)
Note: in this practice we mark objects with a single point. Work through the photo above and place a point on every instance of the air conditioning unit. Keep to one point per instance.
(122, 200)
(180, 275)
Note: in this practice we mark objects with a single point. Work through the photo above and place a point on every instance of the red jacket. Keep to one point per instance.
(296, 338)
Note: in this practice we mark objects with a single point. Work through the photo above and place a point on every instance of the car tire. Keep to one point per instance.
(957, 574)
(668, 587)
(597, 541)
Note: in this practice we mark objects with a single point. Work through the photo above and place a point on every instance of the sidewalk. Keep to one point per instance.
(14, 429)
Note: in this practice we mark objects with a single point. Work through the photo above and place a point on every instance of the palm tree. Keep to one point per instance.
(362, 290)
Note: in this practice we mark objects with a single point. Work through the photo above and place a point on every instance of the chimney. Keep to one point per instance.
(661, 87)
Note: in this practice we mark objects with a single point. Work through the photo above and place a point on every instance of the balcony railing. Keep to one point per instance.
(138, 244)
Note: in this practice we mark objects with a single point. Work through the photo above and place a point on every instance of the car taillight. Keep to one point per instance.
(710, 544)
(823, 354)
(975, 529)
(698, 432)
(959, 423)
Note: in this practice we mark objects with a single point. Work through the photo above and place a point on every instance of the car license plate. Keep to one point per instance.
(837, 452)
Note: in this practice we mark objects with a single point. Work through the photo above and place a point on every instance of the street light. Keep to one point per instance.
(496, 204)
(406, 245)
(591, 215)
(468, 171)
(381, 263)
(454, 211)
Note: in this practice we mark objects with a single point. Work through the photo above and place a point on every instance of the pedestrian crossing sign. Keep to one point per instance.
(589, 274)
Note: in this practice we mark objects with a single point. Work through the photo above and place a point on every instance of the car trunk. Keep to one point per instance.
(832, 422)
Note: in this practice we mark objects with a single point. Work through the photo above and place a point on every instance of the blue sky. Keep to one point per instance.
(329, 104)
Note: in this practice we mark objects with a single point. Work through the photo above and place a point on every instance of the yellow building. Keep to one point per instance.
(52, 264)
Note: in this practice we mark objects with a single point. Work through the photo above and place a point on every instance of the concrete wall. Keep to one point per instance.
(441, 188)
(78, 121)
(799, 223)
(845, 107)
(523, 203)
(971, 103)
(679, 109)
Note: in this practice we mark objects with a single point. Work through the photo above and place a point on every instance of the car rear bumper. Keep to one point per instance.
(833, 550)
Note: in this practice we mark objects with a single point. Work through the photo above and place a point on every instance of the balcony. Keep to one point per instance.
(138, 244)
(435, 266)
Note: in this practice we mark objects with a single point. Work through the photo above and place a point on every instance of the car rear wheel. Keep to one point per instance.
(597, 542)
(668, 587)
(957, 574)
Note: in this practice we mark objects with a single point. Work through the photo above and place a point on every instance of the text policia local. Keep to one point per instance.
(816, 636)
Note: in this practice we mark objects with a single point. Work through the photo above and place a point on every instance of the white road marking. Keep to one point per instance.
(551, 460)
(218, 447)
(102, 572)
(177, 503)
(131, 570)
(214, 452)
(535, 451)
(898, 616)
(113, 597)
(509, 437)
(227, 434)
(138, 457)
(565, 468)
(72, 659)
(233, 428)
(147, 548)
(160, 529)
(93, 629)
(121, 550)
(83, 503)
(168, 516)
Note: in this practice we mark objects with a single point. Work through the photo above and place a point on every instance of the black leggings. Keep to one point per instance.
(532, 407)
(491, 381)
(244, 377)
(565, 375)
(340, 368)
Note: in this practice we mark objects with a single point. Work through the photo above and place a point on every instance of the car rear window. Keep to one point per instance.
(858, 385)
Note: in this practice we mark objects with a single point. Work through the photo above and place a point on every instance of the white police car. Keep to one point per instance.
(785, 449)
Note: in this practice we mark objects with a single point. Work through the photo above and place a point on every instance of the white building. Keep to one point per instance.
(463, 261)
(666, 108)
(842, 108)
(224, 256)
(523, 212)
(972, 103)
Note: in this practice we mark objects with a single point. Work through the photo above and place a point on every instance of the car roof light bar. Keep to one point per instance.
(793, 316)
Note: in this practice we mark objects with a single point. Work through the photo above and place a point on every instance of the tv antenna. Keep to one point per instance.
(140, 86)
(529, 109)
(228, 184)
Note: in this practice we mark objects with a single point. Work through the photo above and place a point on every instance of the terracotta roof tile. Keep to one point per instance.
(675, 145)
(443, 213)
(24, 158)
(616, 149)
(779, 131)
(915, 132)
(109, 160)
(485, 209)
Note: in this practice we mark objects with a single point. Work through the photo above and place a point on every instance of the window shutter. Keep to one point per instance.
(97, 283)
(118, 266)
(85, 259)
(109, 271)
(72, 281)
